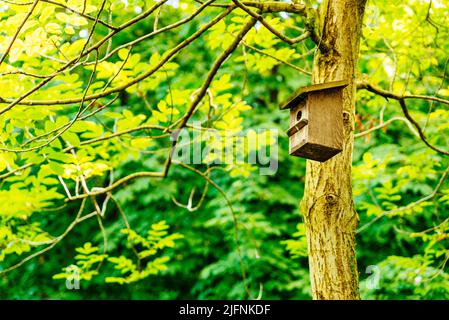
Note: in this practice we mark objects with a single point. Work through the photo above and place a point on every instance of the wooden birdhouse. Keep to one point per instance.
(316, 121)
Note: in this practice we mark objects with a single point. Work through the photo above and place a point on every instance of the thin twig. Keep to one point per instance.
(410, 205)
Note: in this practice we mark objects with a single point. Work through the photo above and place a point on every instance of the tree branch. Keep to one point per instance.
(117, 184)
(278, 34)
(55, 241)
(277, 59)
(210, 76)
(386, 123)
(80, 13)
(16, 34)
(266, 7)
(401, 99)
(137, 79)
(84, 52)
(418, 127)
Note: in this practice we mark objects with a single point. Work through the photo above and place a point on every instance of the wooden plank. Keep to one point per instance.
(326, 119)
(314, 152)
(298, 126)
(302, 92)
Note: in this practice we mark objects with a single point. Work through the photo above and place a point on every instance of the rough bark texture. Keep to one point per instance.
(327, 206)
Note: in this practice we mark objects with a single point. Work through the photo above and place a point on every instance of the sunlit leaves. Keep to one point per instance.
(89, 260)
(71, 19)
(19, 202)
(70, 50)
(86, 169)
(365, 171)
(7, 160)
(413, 276)
(163, 113)
(230, 119)
(82, 6)
(445, 196)
(125, 266)
(298, 246)
(20, 238)
(218, 37)
(129, 120)
(157, 238)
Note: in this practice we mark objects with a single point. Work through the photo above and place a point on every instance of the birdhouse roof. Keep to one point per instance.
(302, 92)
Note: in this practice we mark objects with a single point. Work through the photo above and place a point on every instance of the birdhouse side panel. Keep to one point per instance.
(326, 118)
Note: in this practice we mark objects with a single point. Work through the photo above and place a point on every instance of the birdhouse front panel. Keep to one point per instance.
(298, 131)
(316, 121)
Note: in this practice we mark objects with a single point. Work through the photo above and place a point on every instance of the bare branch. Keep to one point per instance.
(388, 94)
(401, 100)
(118, 183)
(384, 124)
(418, 127)
(278, 34)
(269, 6)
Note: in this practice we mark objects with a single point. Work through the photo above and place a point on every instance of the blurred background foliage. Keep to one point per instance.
(402, 250)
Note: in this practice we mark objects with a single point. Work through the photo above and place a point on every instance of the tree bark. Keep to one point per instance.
(328, 208)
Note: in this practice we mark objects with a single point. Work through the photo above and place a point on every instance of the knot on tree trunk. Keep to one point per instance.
(348, 122)
(331, 199)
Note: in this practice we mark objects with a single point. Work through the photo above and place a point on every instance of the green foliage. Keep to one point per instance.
(52, 153)
(130, 271)
(409, 277)
(86, 259)
(298, 247)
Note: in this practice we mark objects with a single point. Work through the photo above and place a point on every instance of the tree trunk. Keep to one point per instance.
(327, 205)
